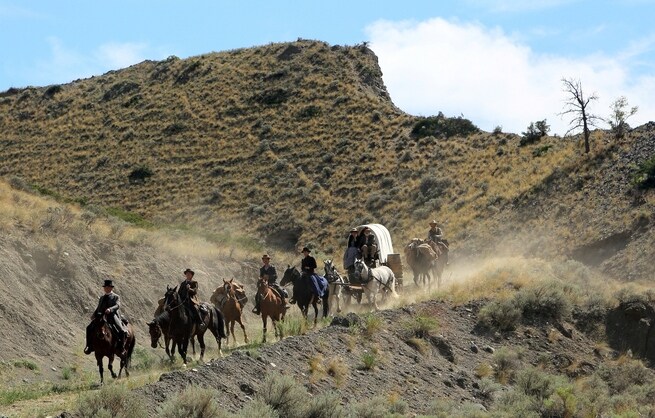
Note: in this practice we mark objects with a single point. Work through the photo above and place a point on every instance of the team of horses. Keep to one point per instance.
(176, 325)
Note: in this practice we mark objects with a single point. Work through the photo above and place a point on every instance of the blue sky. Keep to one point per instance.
(497, 62)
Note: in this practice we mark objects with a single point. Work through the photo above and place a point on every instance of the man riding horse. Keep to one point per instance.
(108, 305)
(436, 240)
(268, 271)
(188, 292)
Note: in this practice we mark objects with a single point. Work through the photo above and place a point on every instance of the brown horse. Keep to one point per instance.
(105, 344)
(271, 305)
(232, 311)
(421, 258)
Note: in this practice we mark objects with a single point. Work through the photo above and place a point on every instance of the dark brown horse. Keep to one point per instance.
(181, 327)
(159, 327)
(232, 311)
(270, 306)
(303, 293)
(105, 344)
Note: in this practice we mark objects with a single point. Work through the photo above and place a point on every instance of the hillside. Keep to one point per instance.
(427, 356)
(296, 142)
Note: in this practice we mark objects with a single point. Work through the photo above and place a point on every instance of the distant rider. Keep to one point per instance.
(188, 293)
(268, 271)
(436, 237)
(108, 305)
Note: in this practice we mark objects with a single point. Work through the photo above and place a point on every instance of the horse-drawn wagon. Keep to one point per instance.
(384, 255)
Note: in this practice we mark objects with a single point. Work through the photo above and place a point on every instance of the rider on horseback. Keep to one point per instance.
(108, 305)
(308, 267)
(268, 271)
(435, 237)
(188, 293)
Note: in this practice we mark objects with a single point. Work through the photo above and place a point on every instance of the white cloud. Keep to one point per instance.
(115, 55)
(65, 64)
(491, 77)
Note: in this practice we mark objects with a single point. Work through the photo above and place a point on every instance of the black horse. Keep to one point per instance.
(303, 293)
(181, 327)
(104, 343)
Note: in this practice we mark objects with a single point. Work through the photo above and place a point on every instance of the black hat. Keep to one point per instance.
(189, 271)
(305, 249)
(354, 230)
(108, 283)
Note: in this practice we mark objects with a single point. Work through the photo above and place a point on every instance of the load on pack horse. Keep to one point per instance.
(381, 254)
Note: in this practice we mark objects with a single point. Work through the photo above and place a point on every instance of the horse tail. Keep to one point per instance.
(219, 323)
(393, 285)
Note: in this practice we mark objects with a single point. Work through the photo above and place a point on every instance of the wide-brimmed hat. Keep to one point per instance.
(189, 271)
(266, 257)
(433, 222)
(354, 230)
(305, 249)
(108, 283)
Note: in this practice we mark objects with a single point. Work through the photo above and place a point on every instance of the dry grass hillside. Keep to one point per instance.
(295, 142)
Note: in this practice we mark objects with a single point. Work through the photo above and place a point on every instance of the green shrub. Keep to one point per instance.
(506, 364)
(369, 360)
(112, 401)
(623, 374)
(286, 396)
(326, 405)
(25, 364)
(128, 217)
(371, 325)
(441, 125)
(375, 407)
(257, 408)
(644, 177)
(420, 326)
(140, 174)
(192, 402)
(503, 315)
(515, 403)
(535, 131)
(548, 299)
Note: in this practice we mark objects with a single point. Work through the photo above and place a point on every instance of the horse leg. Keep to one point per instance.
(100, 369)
(326, 306)
(315, 306)
(264, 320)
(245, 337)
(182, 349)
(231, 331)
(110, 366)
(201, 342)
(375, 298)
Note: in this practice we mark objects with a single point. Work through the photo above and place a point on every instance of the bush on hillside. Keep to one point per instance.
(442, 126)
(644, 178)
(50, 92)
(140, 174)
(112, 401)
(193, 402)
(535, 131)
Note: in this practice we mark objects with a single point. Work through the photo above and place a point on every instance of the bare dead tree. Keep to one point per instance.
(576, 106)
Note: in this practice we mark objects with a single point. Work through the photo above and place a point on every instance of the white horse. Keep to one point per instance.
(375, 279)
(335, 283)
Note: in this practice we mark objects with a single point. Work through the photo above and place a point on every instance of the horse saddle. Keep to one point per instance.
(279, 292)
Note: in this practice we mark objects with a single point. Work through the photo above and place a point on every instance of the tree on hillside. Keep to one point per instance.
(577, 106)
(535, 131)
(620, 114)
